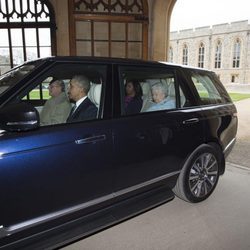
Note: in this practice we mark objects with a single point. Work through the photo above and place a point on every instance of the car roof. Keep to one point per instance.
(116, 60)
(97, 59)
(184, 66)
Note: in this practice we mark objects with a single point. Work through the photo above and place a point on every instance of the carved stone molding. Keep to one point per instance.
(109, 6)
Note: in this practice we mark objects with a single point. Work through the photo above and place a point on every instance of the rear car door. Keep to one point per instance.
(56, 171)
(151, 147)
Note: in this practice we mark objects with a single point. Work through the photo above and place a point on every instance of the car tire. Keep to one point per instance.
(199, 175)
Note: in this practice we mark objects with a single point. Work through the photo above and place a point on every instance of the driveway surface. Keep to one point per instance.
(241, 152)
(222, 222)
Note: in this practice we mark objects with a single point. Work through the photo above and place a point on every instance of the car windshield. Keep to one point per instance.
(10, 78)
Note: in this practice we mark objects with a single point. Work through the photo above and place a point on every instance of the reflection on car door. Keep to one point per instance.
(153, 145)
(53, 171)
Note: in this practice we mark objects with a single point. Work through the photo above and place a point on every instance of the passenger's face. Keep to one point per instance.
(157, 95)
(75, 92)
(55, 89)
(130, 90)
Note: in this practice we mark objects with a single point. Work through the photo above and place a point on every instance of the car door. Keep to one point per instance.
(151, 147)
(55, 171)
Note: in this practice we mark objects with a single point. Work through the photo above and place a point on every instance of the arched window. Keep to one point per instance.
(185, 55)
(218, 51)
(171, 55)
(27, 31)
(236, 53)
(201, 56)
(109, 28)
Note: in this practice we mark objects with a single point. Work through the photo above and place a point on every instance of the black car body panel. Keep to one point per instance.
(65, 181)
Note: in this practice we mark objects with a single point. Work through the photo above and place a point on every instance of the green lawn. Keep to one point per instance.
(35, 94)
(238, 96)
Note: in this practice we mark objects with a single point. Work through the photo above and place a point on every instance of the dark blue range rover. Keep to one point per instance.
(61, 180)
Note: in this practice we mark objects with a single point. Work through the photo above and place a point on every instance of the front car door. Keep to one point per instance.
(57, 170)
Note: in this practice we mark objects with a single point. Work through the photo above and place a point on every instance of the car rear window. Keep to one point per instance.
(209, 88)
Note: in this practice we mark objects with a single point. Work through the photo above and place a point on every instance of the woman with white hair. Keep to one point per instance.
(160, 98)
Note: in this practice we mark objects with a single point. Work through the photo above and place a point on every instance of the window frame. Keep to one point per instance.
(236, 53)
(234, 78)
(53, 71)
(110, 16)
(218, 55)
(215, 85)
(146, 69)
(185, 54)
(201, 55)
(23, 25)
(171, 54)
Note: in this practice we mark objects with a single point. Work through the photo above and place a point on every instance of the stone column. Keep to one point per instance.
(62, 33)
(160, 28)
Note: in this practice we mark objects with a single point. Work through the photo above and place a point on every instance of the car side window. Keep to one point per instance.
(149, 90)
(39, 95)
(68, 93)
(206, 89)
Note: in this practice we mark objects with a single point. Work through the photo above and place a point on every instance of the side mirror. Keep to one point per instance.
(19, 117)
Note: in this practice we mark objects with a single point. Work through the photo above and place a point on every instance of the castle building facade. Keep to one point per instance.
(222, 48)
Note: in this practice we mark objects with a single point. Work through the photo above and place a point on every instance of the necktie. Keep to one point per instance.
(72, 111)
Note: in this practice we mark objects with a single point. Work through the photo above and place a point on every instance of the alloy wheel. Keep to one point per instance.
(203, 175)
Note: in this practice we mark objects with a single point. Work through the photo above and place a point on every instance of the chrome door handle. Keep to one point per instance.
(190, 121)
(91, 139)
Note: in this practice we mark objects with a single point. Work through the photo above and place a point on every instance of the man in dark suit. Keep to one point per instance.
(84, 109)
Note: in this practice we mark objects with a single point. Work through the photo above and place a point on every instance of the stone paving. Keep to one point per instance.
(240, 154)
(219, 223)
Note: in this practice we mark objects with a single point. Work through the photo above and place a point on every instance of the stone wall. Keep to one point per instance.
(227, 33)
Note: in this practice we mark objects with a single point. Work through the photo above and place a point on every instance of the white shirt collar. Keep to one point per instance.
(78, 103)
